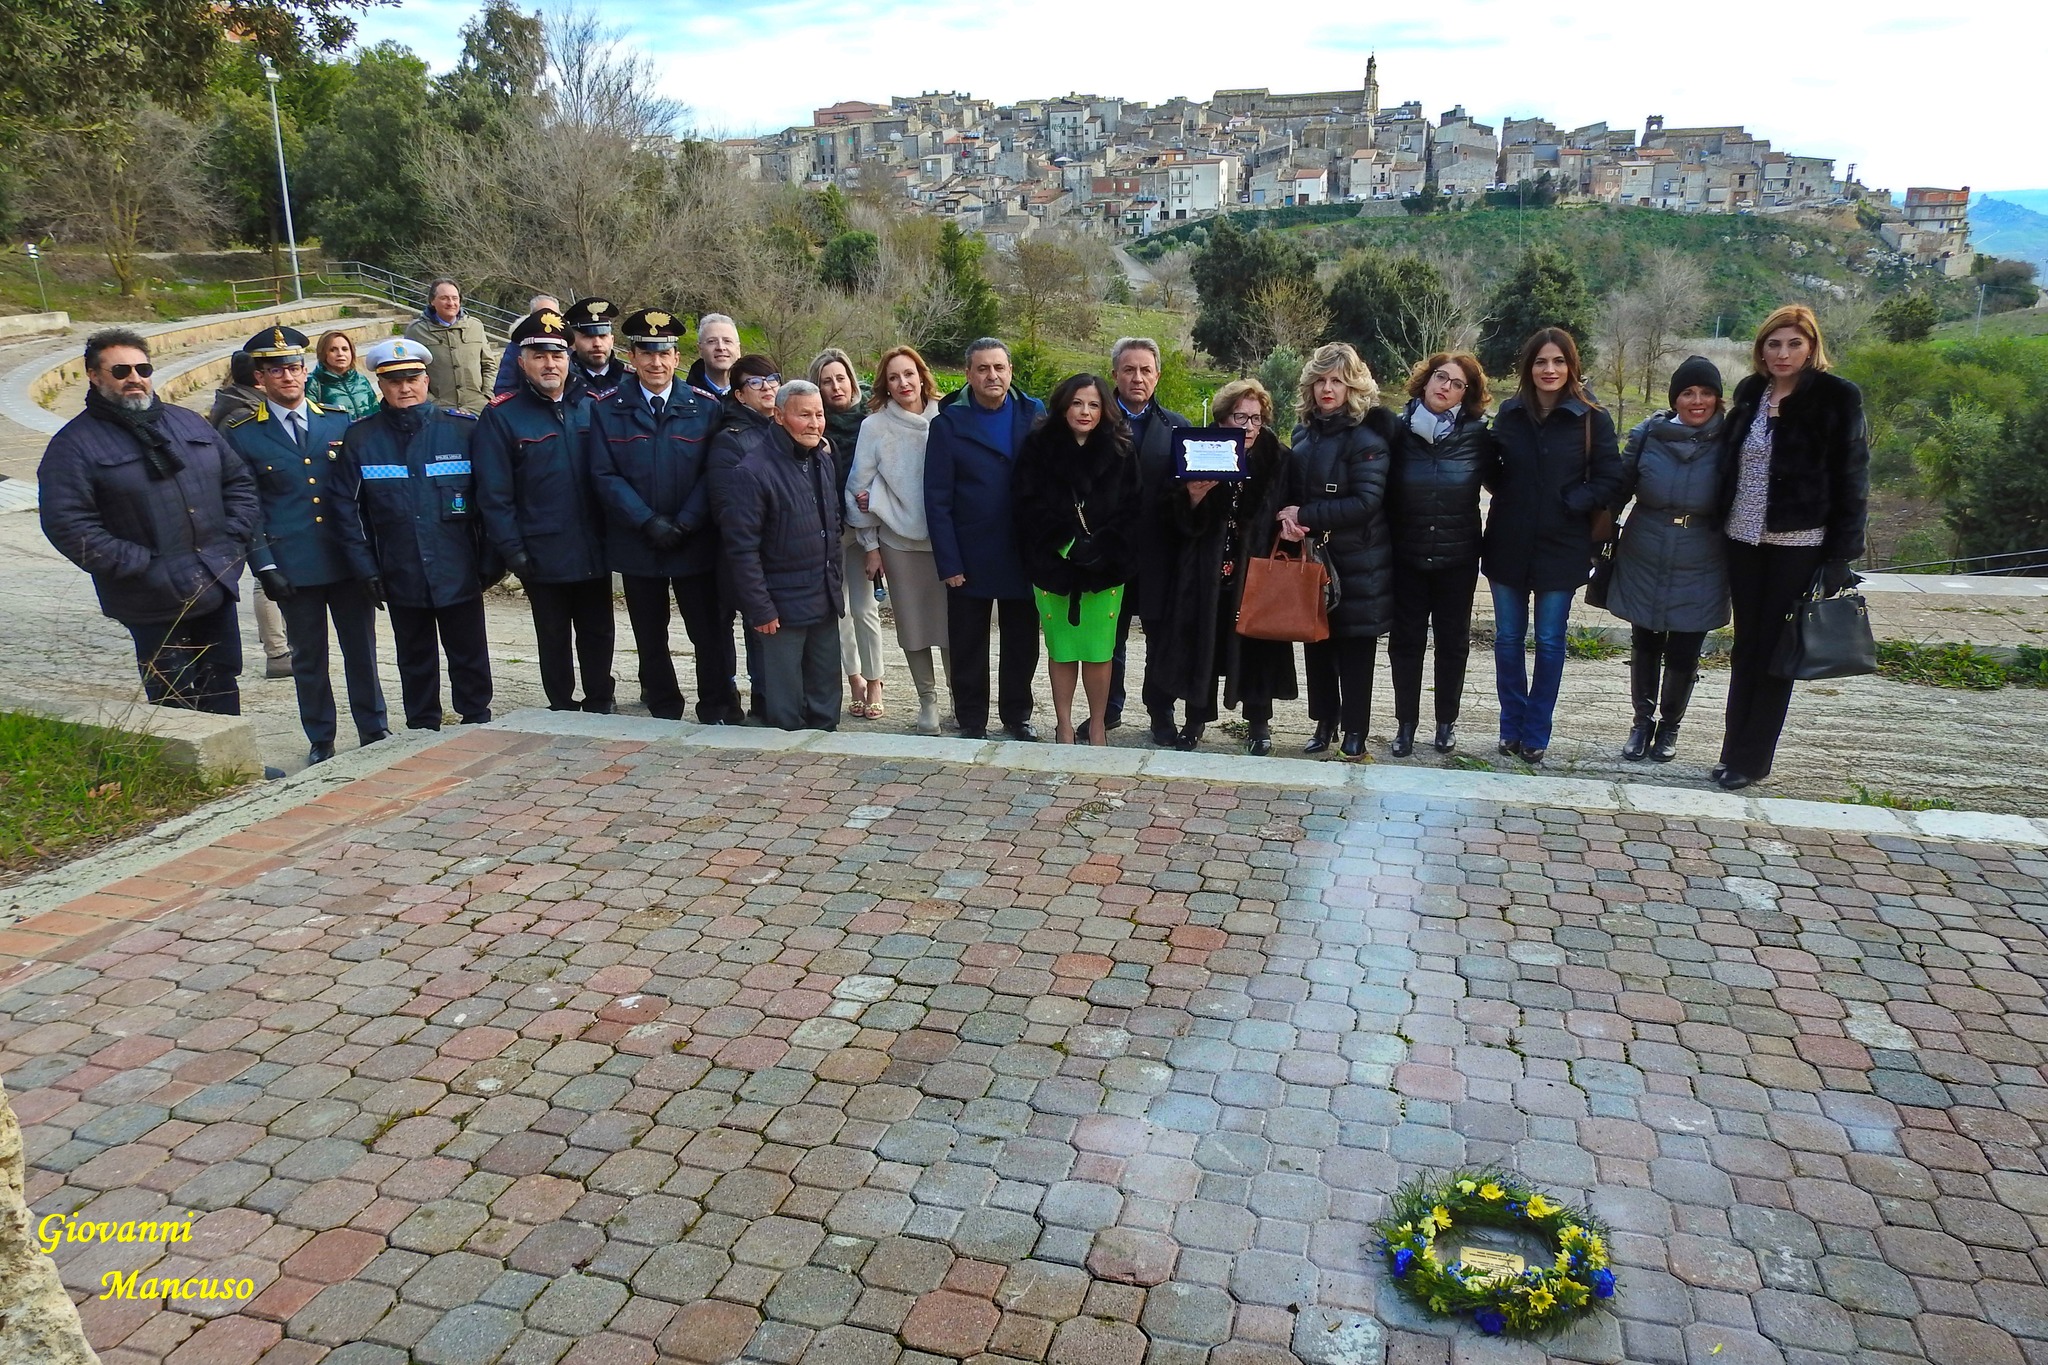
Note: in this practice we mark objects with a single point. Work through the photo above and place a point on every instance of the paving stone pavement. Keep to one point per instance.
(623, 1052)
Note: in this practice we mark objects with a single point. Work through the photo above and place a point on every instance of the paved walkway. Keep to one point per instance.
(571, 1048)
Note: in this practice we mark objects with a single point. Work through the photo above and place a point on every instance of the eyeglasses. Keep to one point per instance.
(1454, 382)
(761, 381)
(145, 369)
(1247, 420)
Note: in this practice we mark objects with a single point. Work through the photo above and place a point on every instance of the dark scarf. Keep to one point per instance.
(145, 426)
(406, 421)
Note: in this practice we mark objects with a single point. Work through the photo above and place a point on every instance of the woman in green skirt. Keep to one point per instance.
(1075, 497)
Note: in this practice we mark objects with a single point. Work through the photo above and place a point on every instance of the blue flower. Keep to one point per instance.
(1490, 1321)
(1405, 1258)
(1603, 1284)
(1515, 1210)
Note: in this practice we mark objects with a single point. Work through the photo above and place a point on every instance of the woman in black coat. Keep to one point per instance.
(1074, 498)
(1211, 530)
(1556, 464)
(1340, 485)
(1441, 454)
(1796, 492)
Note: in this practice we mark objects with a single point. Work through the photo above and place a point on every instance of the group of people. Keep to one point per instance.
(995, 525)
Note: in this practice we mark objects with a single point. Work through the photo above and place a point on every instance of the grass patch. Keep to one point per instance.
(1583, 642)
(65, 789)
(1860, 795)
(1963, 666)
(1470, 763)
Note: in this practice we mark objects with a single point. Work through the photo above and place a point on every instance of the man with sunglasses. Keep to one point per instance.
(147, 499)
(291, 445)
(649, 462)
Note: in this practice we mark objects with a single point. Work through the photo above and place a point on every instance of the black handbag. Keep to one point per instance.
(1602, 577)
(1825, 637)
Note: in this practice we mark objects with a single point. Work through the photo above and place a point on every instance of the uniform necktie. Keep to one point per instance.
(657, 404)
(295, 426)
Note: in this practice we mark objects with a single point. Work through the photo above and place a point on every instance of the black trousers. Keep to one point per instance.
(708, 623)
(1340, 681)
(1426, 601)
(800, 676)
(967, 632)
(192, 663)
(1763, 583)
(306, 614)
(582, 609)
(421, 635)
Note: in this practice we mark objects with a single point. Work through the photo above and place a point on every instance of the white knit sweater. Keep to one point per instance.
(888, 465)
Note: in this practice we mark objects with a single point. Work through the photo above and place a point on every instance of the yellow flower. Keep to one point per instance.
(1466, 1187)
(1539, 1207)
(1570, 1233)
(1540, 1300)
(1405, 1230)
(1441, 1216)
(1491, 1192)
(1564, 1261)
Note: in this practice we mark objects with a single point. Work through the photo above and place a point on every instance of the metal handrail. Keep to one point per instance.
(1947, 565)
(408, 292)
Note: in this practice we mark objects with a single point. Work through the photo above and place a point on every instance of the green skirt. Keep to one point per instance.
(1093, 641)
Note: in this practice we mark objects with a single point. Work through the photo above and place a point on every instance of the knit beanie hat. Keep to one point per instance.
(1697, 371)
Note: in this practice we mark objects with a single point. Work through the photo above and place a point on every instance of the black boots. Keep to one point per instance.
(1353, 746)
(1446, 739)
(1404, 740)
(1678, 685)
(1644, 667)
(1325, 732)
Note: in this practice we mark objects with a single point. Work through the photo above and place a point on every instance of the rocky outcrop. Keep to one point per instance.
(38, 1324)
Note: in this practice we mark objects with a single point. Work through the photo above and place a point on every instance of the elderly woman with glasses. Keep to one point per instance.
(1440, 459)
(1212, 530)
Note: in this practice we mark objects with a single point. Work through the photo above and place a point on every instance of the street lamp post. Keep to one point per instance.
(284, 188)
(35, 257)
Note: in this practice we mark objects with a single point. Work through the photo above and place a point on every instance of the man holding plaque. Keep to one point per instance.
(1134, 369)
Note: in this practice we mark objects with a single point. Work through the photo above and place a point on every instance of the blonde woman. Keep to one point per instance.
(860, 629)
(1340, 485)
(1797, 494)
(885, 508)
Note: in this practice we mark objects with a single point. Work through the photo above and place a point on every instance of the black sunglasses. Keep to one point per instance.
(145, 369)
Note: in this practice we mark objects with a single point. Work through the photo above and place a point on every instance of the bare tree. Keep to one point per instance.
(1669, 301)
(1173, 281)
(1045, 290)
(1620, 334)
(1455, 323)
(127, 186)
(586, 187)
(1289, 313)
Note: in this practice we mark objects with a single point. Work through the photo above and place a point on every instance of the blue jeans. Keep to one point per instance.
(1526, 706)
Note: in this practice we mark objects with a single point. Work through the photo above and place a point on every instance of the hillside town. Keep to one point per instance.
(1125, 169)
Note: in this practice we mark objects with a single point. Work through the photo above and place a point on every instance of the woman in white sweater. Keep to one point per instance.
(885, 506)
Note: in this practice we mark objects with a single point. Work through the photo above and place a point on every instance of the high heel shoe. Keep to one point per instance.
(1404, 740)
(1325, 732)
(1261, 739)
(1353, 745)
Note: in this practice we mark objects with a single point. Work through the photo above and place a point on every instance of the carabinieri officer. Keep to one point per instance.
(292, 445)
(540, 514)
(597, 371)
(648, 444)
(407, 504)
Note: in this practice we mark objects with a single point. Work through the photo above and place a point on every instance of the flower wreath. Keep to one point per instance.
(1530, 1302)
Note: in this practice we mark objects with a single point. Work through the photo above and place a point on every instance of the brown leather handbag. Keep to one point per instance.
(1285, 597)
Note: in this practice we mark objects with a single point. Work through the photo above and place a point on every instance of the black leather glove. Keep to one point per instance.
(373, 588)
(520, 563)
(664, 534)
(276, 586)
(1835, 575)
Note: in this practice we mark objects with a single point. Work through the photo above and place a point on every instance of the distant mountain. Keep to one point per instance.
(2002, 225)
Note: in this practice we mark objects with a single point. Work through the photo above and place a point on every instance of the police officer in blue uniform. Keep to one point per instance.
(533, 489)
(597, 371)
(292, 446)
(407, 504)
(647, 458)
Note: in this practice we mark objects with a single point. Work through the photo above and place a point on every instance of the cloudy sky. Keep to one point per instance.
(1912, 92)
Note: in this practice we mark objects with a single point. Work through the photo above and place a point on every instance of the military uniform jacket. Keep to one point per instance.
(642, 472)
(599, 386)
(407, 504)
(298, 533)
(533, 490)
